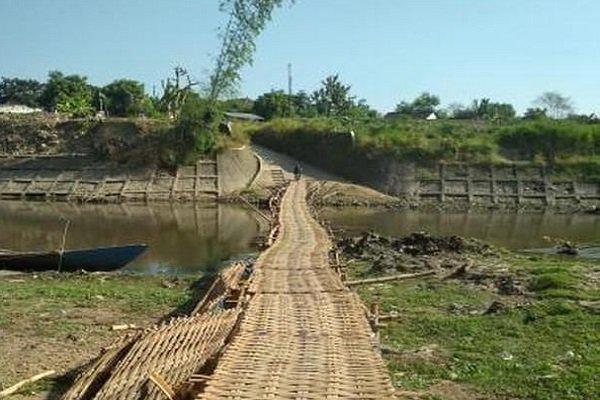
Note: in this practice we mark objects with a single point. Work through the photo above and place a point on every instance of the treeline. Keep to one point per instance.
(73, 94)
(484, 131)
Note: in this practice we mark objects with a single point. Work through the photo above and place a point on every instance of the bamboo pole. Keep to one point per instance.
(14, 388)
(63, 243)
(164, 387)
(255, 209)
(388, 278)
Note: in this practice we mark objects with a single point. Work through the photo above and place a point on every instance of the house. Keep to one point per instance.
(17, 109)
(240, 116)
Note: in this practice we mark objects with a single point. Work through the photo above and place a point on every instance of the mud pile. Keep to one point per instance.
(453, 257)
(415, 252)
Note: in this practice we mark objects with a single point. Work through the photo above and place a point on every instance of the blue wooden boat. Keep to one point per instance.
(96, 259)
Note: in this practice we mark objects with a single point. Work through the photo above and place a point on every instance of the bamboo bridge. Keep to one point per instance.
(285, 328)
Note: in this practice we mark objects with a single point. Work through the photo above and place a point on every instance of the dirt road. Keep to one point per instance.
(304, 334)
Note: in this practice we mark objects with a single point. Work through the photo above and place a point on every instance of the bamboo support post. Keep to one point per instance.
(548, 195)
(519, 185)
(53, 185)
(493, 186)
(73, 189)
(575, 191)
(442, 172)
(217, 183)
(27, 187)
(374, 318)
(196, 180)
(123, 188)
(174, 185)
(149, 185)
(469, 185)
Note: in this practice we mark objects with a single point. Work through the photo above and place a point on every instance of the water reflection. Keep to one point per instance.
(513, 231)
(182, 238)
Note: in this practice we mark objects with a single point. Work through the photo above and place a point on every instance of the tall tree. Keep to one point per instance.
(21, 91)
(557, 105)
(333, 97)
(247, 19)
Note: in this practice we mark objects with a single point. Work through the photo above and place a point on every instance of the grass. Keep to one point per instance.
(56, 321)
(545, 346)
(51, 292)
(571, 148)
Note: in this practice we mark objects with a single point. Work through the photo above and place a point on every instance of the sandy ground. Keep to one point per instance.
(48, 326)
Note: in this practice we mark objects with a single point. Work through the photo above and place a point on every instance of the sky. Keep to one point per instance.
(387, 50)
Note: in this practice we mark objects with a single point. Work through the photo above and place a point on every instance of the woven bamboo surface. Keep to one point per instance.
(174, 351)
(303, 334)
(99, 368)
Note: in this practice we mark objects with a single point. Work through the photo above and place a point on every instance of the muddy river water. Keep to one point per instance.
(182, 238)
(514, 231)
(187, 238)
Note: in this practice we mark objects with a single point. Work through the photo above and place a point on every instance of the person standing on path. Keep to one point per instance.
(297, 171)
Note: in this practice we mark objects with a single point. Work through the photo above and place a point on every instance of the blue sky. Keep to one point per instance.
(388, 50)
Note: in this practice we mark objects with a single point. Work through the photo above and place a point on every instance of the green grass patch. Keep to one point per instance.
(544, 346)
(51, 299)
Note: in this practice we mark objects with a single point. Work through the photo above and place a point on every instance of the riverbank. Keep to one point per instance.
(488, 324)
(451, 164)
(59, 322)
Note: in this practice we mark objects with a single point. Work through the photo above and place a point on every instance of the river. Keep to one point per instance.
(182, 238)
(189, 239)
(515, 231)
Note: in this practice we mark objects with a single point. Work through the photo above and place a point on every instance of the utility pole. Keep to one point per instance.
(289, 68)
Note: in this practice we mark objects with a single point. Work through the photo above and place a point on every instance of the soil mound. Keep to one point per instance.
(417, 251)
(453, 257)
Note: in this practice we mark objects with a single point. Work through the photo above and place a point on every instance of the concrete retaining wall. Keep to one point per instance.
(237, 168)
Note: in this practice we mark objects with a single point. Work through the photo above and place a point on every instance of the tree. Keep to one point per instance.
(362, 110)
(70, 94)
(460, 111)
(302, 105)
(21, 91)
(557, 105)
(272, 104)
(175, 92)
(333, 98)
(247, 18)
(124, 97)
(486, 109)
(535, 113)
(423, 105)
(199, 118)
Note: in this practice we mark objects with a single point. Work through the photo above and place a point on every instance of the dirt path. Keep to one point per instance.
(326, 188)
(286, 163)
(303, 335)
